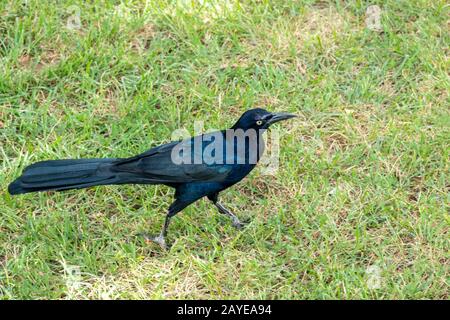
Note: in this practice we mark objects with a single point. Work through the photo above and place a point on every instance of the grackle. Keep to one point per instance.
(196, 167)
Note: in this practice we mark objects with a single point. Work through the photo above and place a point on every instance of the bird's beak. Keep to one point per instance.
(279, 116)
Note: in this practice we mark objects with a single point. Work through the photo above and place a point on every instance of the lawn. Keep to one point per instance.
(357, 209)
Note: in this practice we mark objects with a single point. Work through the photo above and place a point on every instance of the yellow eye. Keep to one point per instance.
(259, 122)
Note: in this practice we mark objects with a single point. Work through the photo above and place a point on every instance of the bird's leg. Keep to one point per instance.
(174, 208)
(235, 220)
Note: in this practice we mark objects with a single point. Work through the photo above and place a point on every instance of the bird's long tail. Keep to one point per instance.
(65, 175)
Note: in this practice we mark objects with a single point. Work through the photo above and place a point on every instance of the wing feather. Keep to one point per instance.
(157, 165)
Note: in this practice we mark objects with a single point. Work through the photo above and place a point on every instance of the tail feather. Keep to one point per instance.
(64, 175)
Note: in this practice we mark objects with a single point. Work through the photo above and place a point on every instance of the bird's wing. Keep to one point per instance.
(158, 165)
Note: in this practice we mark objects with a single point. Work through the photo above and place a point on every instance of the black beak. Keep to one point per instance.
(279, 116)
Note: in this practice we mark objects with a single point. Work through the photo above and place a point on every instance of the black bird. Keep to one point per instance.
(196, 167)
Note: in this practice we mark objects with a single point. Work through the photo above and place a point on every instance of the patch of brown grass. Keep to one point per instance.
(24, 61)
(50, 56)
(388, 87)
(142, 38)
(109, 105)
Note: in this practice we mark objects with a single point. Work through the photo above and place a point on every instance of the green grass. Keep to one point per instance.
(364, 172)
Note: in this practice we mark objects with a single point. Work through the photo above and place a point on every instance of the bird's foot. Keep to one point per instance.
(238, 224)
(155, 239)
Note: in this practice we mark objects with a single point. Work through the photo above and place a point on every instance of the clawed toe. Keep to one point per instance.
(160, 240)
(238, 224)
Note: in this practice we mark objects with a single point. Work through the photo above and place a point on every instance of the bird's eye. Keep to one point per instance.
(259, 122)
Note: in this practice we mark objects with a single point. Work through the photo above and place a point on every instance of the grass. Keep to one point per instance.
(363, 181)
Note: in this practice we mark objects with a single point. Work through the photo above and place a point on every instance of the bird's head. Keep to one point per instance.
(260, 119)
